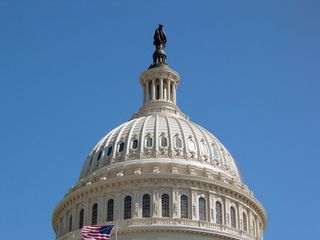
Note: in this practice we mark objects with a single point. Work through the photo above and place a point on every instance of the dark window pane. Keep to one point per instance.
(70, 223)
(149, 142)
(94, 214)
(164, 142)
(233, 217)
(110, 210)
(135, 144)
(202, 209)
(99, 155)
(127, 207)
(146, 205)
(165, 205)
(121, 147)
(90, 161)
(218, 213)
(109, 151)
(184, 206)
(81, 217)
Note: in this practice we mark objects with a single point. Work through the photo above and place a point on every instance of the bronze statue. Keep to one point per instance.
(159, 41)
(159, 38)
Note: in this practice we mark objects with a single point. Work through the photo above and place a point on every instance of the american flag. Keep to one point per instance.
(96, 232)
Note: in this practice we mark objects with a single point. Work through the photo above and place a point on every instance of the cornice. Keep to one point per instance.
(133, 182)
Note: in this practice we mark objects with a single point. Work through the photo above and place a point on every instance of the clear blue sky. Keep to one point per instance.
(250, 74)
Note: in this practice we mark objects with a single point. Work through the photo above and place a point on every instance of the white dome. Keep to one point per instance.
(160, 176)
(164, 137)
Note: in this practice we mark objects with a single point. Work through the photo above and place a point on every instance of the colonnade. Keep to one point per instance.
(250, 223)
(163, 89)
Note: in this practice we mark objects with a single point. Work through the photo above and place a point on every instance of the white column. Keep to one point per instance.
(211, 208)
(165, 90)
(153, 93)
(194, 206)
(156, 204)
(100, 210)
(74, 218)
(136, 205)
(161, 89)
(174, 93)
(225, 220)
(87, 213)
(118, 204)
(175, 205)
(168, 90)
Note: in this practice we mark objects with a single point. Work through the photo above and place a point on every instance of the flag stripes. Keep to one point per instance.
(96, 232)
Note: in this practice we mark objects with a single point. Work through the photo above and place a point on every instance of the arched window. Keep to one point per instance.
(165, 205)
(110, 208)
(90, 161)
(109, 151)
(121, 147)
(192, 145)
(94, 214)
(202, 209)
(146, 205)
(204, 149)
(149, 142)
(127, 207)
(134, 144)
(216, 153)
(99, 155)
(233, 217)
(70, 223)
(218, 213)
(163, 141)
(244, 219)
(81, 218)
(184, 206)
(178, 142)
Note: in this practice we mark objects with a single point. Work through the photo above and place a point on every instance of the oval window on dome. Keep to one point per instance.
(204, 149)
(216, 152)
(163, 141)
(192, 145)
(134, 144)
(149, 142)
(99, 155)
(121, 147)
(178, 142)
(90, 161)
(109, 151)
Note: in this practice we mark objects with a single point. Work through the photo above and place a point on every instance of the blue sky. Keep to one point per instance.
(249, 74)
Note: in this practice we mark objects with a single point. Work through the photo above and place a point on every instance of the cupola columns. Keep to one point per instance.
(159, 83)
(162, 89)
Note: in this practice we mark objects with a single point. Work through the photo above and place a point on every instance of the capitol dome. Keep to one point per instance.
(160, 176)
(166, 138)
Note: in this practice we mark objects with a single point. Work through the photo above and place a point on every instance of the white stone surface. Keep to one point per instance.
(160, 151)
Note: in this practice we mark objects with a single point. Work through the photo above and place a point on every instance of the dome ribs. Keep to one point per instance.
(205, 137)
(155, 137)
(170, 138)
(185, 153)
(129, 137)
(142, 133)
(195, 138)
